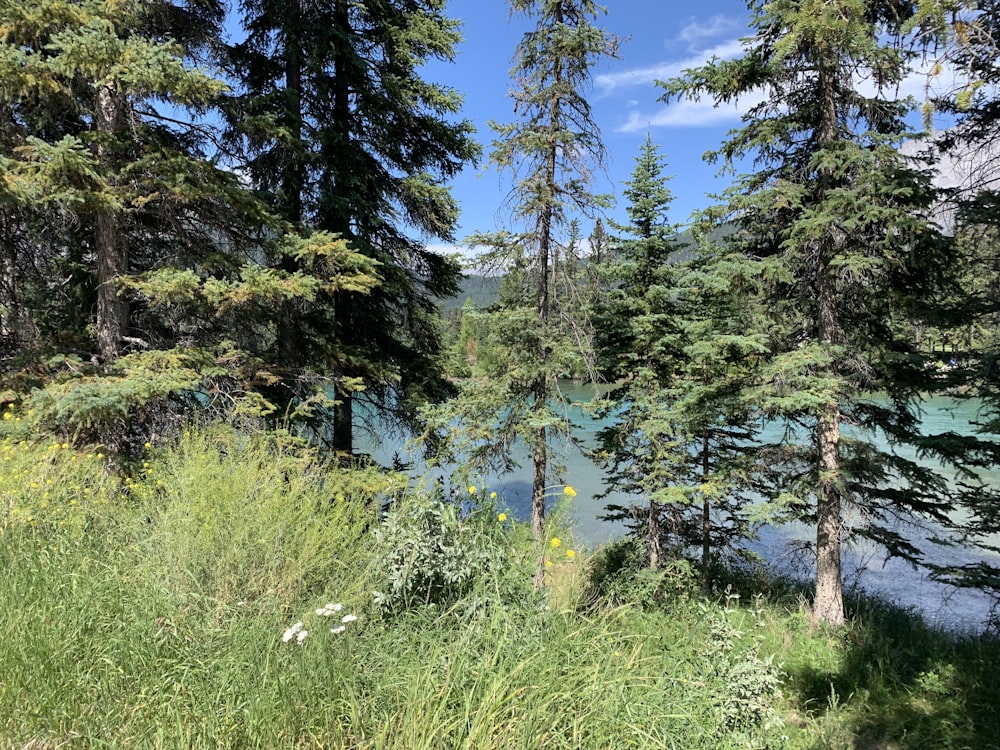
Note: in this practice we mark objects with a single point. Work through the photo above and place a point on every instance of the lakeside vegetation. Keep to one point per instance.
(150, 613)
(205, 284)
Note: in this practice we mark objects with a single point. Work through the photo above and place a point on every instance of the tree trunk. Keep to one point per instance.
(541, 394)
(343, 415)
(540, 461)
(828, 606)
(343, 424)
(290, 344)
(109, 242)
(706, 513)
(654, 537)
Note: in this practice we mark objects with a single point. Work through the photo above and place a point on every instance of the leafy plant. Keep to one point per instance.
(433, 553)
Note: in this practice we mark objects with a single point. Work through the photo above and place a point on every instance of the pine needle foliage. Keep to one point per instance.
(551, 150)
(835, 238)
(680, 435)
(339, 131)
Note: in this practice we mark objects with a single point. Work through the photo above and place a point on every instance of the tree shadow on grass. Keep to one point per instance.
(901, 684)
(887, 681)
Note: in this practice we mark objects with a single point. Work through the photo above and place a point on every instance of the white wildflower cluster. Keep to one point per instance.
(298, 633)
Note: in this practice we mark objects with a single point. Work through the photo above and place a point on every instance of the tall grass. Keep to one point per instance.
(149, 612)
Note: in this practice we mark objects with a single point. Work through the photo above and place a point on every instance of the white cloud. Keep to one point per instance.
(713, 28)
(690, 113)
(609, 83)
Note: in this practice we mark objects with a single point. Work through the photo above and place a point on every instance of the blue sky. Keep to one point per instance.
(659, 40)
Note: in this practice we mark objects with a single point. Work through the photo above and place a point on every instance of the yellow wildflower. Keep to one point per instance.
(569, 491)
(570, 554)
(472, 489)
(502, 517)
(555, 542)
(493, 496)
(548, 563)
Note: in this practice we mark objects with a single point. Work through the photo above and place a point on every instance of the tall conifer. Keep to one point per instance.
(551, 149)
(680, 434)
(341, 131)
(834, 233)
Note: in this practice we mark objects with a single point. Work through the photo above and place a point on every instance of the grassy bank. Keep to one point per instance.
(163, 611)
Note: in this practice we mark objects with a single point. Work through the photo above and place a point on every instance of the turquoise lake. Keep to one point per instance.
(941, 604)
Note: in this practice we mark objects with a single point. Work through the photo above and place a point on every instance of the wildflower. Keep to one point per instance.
(548, 563)
(493, 496)
(348, 618)
(292, 632)
(555, 542)
(502, 517)
(329, 609)
(472, 489)
(570, 554)
(65, 446)
(147, 446)
(338, 630)
(569, 491)
(301, 636)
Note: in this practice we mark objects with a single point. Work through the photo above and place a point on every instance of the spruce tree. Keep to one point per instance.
(339, 129)
(680, 439)
(137, 272)
(551, 150)
(96, 171)
(833, 234)
(973, 207)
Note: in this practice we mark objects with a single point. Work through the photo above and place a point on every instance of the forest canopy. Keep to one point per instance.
(201, 230)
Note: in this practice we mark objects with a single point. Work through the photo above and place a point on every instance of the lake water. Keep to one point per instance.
(894, 579)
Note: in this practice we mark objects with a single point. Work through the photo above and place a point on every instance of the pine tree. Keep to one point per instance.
(550, 149)
(88, 153)
(974, 207)
(110, 184)
(681, 437)
(340, 130)
(833, 233)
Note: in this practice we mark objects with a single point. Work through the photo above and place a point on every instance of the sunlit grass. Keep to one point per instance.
(166, 609)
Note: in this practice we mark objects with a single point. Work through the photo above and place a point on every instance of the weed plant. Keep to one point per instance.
(166, 609)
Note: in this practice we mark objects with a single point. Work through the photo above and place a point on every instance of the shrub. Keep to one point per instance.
(236, 516)
(620, 575)
(432, 553)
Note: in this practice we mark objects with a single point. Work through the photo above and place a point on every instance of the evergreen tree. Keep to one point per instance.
(342, 133)
(96, 173)
(161, 292)
(681, 436)
(973, 346)
(833, 233)
(549, 149)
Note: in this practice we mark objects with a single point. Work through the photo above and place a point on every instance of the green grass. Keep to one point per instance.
(149, 613)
